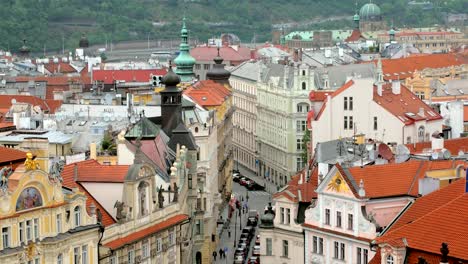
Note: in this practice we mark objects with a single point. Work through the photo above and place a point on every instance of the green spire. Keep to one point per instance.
(184, 61)
(356, 17)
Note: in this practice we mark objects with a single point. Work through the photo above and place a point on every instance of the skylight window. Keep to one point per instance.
(446, 92)
(410, 114)
(461, 91)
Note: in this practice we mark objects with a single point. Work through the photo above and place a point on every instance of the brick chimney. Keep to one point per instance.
(92, 151)
(396, 87)
(379, 89)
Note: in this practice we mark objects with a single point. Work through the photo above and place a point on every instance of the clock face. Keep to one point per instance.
(337, 184)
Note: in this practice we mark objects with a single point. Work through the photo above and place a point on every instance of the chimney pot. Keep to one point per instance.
(396, 87)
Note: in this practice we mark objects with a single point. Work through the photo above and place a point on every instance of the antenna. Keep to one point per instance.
(402, 154)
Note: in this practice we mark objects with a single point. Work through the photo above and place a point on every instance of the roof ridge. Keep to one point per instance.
(416, 177)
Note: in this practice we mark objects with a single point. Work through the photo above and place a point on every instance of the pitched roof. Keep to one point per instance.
(138, 235)
(46, 105)
(404, 67)
(11, 155)
(228, 53)
(59, 67)
(109, 76)
(435, 218)
(355, 36)
(465, 113)
(397, 179)
(405, 105)
(208, 93)
(92, 171)
(454, 145)
(299, 189)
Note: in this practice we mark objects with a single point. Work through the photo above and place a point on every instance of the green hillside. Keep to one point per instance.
(46, 23)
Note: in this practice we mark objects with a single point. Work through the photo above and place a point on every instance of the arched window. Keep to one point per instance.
(304, 87)
(77, 216)
(421, 131)
(389, 259)
(303, 72)
(196, 129)
(60, 258)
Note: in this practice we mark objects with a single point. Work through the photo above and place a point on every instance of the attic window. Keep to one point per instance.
(461, 91)
(204, 98)
(446, 92)
(410, 114)
(431, 113)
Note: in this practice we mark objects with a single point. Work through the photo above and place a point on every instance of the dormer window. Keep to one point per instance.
(389, 259)
(77, 216)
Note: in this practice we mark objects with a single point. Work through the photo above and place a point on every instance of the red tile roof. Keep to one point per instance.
(135, 236)
(46, 105)
(355, 36)
(92, 171)
(435, 218)
(400, 105)
(404, 67)
(109, 76)
(377, 259)
(208, 93)
(465, 113)
(299, 189)
(8, 155)
(453, 145)
(319, 96)
(59, 67)
(228, 53)
(397, 179)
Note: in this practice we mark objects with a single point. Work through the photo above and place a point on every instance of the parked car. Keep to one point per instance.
(245, 247)
(243, 181)
(256, 251)
(249, 230)
(245, 235)
(236, 177)
(254, 260)
(257, 241)
(254, 186)
(252, 218)
(244, 240)
(238, 259)
(240, 251)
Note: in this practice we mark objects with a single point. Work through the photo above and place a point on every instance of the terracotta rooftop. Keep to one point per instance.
(397, 179)
(138, 235)
(46, 105)
(453, 145)
(465, 113)
(11, 155)
(59, 67)
(228, 53)
(109, 76)
(92, 171)
(299, 189)
(355, 36)
(208, 93)
(435, 218)
(405, 106)
(319, 96)
(404, 67)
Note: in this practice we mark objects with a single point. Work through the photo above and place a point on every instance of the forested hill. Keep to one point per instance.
(49, 22)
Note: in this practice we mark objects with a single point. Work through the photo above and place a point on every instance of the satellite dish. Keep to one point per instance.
(108, 99)
(13, 101)
(385, 152)
(402, 154)
(434, 155)
(446, 154)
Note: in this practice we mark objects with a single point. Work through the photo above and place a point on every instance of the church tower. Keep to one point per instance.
(184, 61)
(171, 102)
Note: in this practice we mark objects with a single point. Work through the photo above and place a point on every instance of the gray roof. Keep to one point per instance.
(338, 75)
(54, 137)
(452, 87)
(247, 70)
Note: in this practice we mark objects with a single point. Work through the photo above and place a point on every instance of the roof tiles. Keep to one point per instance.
(46, 105)
(110, 76)
(231, 54)
(208, 93)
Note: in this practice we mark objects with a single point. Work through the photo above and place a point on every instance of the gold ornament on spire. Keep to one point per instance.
(29, 163)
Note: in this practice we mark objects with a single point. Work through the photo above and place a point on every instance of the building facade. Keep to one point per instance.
(41, 222)
(282, 107)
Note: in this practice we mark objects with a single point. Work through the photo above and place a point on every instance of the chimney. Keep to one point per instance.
(379, 89)
(437, 141)
(75, 172)
(421, 112)
(92, 151)
(396, 87)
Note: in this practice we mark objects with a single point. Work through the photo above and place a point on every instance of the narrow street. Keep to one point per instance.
(257, 201)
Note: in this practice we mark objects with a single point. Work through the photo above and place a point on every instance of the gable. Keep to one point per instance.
(336, 184)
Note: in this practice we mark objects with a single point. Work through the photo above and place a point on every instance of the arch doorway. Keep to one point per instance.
(198, 258)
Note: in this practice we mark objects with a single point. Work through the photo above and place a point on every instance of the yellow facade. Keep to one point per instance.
(36, 215)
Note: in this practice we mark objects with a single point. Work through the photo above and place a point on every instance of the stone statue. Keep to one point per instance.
(5, 172)
(99, 216)
(143, 201)
(444, 251)
(176, 193)
(29, 163)
(55, 173)
(161, 197)
(120, 213)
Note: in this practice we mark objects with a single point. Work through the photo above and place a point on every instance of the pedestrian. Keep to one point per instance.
(229, 233)
(214, 255)
(221, 253)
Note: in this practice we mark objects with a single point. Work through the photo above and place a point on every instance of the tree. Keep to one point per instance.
(305, 146)
(108, 145)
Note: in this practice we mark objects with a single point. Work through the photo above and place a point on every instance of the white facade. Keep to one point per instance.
(281, 123)
(285, 242)
(244, 88)
(365, 115)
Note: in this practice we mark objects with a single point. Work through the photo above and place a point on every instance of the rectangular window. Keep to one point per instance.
(84, 254)
(113, 259)
(159, 245)
(269, 248)
(28, 230)
(338, 219)
(288, 216)
(197, 227)
(359, 256)
(336, 251)
(144, 249)
(131, 257)
(365, 258)
(59, 223)
(21, 232)
(36, 228)
(6, 237)
(351, 122)
(282, 215)
(190, 181)
(76, 255)
(345, 106)
(350, 221)
(303, 125)
(327, 216)
(36, 261)
(298, 163)
(315, 245)
(298, 126)
(375, 123)
(172, 238)
(206, 66)
(320, 246)
(299, 144)
(345, 122)
(342, 251)
(285, 248)
(350, 103)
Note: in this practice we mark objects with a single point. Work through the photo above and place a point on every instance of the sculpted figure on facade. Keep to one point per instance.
(176, 193)
(120, 216)
(161, 197)
(5, 172)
